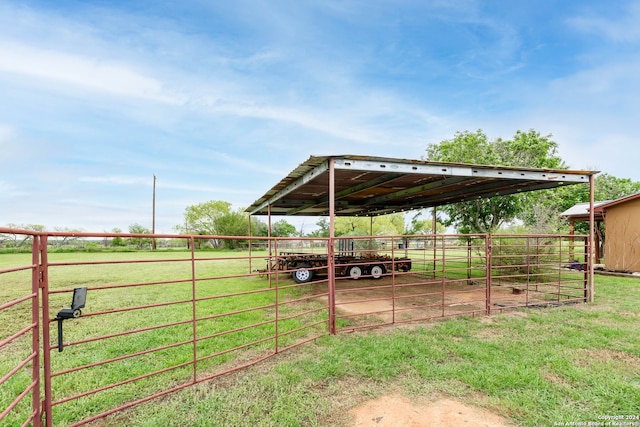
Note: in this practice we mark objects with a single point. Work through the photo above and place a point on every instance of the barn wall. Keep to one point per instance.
(622, 247)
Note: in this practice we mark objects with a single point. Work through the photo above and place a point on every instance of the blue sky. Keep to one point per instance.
(220, 100)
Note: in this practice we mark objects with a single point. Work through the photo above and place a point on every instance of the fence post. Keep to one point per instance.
(331, 284)
(43, 272)
(586, 271)
(489, 267)
(469, 250)
(443, 274)
(194, 311)
(35, 332)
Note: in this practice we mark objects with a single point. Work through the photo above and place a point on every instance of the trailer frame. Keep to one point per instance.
(304, 267)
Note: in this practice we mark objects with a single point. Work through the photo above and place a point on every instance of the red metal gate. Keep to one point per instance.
(159, 321)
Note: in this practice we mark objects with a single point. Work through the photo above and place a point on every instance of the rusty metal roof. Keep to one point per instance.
(371, 186)
(604, 206)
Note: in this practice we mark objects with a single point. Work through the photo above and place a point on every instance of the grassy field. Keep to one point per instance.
(536, 367)
(573, 364)
(157, 306)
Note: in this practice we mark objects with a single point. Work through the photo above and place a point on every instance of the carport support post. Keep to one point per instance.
(270, 244)
(591, 237)
(249, 243)
(488, 249)
(433, 231)
(331, 250)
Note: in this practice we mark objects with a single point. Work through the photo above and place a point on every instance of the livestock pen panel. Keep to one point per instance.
(158, 321)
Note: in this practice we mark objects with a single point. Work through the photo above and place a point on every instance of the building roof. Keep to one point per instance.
(611, 203)
(370, 186)
(580, 211)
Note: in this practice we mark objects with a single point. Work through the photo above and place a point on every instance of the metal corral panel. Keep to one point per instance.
(370, 186)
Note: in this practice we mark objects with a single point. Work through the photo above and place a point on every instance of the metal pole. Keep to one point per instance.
(194, 312)
(35, 332)
(469, 250)
(393, 281)
(591, 238)
(489, 265)
(153, 219)
(370, 233)
(249, 243)
(443, 272)
(331, 249)
(46, 332)
(270, 245)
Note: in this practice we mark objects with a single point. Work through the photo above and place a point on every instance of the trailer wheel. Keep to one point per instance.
(302, 274)
(377, 271)
(354, 272)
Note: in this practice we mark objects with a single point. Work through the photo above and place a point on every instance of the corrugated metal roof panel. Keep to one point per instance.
(369, 185)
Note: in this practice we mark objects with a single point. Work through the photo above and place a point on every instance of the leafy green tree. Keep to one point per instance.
(282, 228)
(609, 187)
(352, 226)
(204, 218)
(217, 218)
(525, 149)
(117, 241)
(139, 242)
(15, 240)
(384, 225)
(259, 227)
(323, 228)
(543, 208)
(423, 226)
(64, 240)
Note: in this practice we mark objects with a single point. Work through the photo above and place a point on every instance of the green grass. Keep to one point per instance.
(535, 367)
(215, 281)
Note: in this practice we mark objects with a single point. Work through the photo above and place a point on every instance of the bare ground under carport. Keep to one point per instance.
(416, 296)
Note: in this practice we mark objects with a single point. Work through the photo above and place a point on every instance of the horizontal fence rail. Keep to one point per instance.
(198, 307)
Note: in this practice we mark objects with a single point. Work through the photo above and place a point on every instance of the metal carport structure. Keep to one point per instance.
(354, 185)
(349, 185)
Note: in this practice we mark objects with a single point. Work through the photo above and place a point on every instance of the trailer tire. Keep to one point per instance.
(376, 271)
(354, 272)
(302, 274)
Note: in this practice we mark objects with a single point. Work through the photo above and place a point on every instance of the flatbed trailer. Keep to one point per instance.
(305, 266)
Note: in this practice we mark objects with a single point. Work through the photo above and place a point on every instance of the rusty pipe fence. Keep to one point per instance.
(203, 306)
(453, 275)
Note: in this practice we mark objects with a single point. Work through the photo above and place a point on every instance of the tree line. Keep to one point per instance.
(533, 212)
(537, 211)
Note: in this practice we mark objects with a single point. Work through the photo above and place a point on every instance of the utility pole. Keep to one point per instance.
(153, 220)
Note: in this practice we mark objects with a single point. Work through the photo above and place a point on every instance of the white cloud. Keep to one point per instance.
(8, 190)
(161, 184)
(116, 179)
(8, 141)
(82, 71)
(624, 29)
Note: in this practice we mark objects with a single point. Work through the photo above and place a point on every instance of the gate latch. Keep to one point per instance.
(79, 299)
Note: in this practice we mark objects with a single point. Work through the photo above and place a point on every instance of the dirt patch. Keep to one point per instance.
(396, 410)
(414, 297)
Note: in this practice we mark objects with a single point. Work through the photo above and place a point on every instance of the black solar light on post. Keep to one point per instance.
(78, 302)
